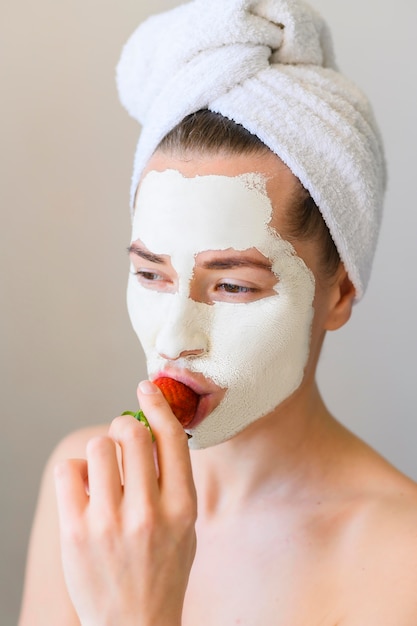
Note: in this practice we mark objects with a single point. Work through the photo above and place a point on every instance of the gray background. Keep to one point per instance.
(68, 355)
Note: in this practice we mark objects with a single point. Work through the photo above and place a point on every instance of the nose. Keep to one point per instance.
(185, 330)
(182, 355)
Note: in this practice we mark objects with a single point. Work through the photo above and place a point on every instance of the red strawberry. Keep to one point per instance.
(182, 400)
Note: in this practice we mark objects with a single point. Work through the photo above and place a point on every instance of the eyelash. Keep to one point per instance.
(149, 276)
(232, 288)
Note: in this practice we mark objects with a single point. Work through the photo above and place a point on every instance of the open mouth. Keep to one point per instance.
(181, 398)
(190, 396)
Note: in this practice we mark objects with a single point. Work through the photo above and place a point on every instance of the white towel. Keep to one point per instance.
(268, 65)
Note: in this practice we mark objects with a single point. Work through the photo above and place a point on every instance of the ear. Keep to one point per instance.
(342, 296)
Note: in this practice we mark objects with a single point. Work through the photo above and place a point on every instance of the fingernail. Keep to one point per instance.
(147, 387)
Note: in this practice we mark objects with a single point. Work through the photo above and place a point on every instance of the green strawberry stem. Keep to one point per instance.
(140, 416)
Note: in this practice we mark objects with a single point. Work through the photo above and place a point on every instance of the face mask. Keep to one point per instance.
(256, 351)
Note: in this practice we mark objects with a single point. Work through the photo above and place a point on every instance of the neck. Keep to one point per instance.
(285, 450)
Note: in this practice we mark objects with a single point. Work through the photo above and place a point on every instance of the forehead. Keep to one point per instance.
(202, 212)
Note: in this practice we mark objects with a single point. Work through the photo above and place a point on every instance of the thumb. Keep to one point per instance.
(157, 409)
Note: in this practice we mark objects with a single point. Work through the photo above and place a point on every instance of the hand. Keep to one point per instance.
(127, 549)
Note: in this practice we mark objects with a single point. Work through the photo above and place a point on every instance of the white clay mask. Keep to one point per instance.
(256, 350)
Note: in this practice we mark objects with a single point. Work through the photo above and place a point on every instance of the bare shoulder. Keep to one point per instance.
(380, 545)
(390, 516)
(45, 599)
(389, 501)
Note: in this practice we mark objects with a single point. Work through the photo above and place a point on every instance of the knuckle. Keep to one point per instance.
(169, 431)
(127, 427)
(74, 534)
(159, 401)
(62, 469)
(156, 403)
(188, 517)
(185, 525)
(98, 445)
(119, 423)
(107, 530)
(147, 518)
(185, 515)
(175, 431)
(144, 524)
(65, 469)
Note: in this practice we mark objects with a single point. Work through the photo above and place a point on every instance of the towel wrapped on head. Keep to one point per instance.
(269, 66)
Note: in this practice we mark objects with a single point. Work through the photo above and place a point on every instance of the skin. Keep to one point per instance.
(204, 299)
(296, 520)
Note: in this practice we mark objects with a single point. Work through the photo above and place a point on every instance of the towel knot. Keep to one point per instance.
(303, 35)
(251, 35)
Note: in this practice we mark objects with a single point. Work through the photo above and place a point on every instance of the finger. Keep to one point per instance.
(172, 445)
(104, 480)
(71, 489)
(139, 473)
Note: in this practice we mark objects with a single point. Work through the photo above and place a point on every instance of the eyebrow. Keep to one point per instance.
(233, 262)
(145, 254)
(227, 263)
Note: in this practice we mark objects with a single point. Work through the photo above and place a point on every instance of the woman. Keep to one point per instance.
(256, 200)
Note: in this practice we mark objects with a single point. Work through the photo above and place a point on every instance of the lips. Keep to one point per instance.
(181, 398)
(196, 396)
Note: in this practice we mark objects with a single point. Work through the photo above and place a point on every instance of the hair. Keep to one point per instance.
(208, 132)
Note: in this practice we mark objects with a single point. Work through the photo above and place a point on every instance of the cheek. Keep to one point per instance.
(147, 311)
(258, 354)
(248, 339)
(241, 331)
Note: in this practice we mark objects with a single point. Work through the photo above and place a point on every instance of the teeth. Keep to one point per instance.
(181, 398)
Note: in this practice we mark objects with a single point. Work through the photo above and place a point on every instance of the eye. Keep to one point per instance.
(225, 291)
(233, 288)
(154, 280)
(148, 276)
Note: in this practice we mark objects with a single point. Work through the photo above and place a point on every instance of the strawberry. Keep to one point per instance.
(182, 400)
